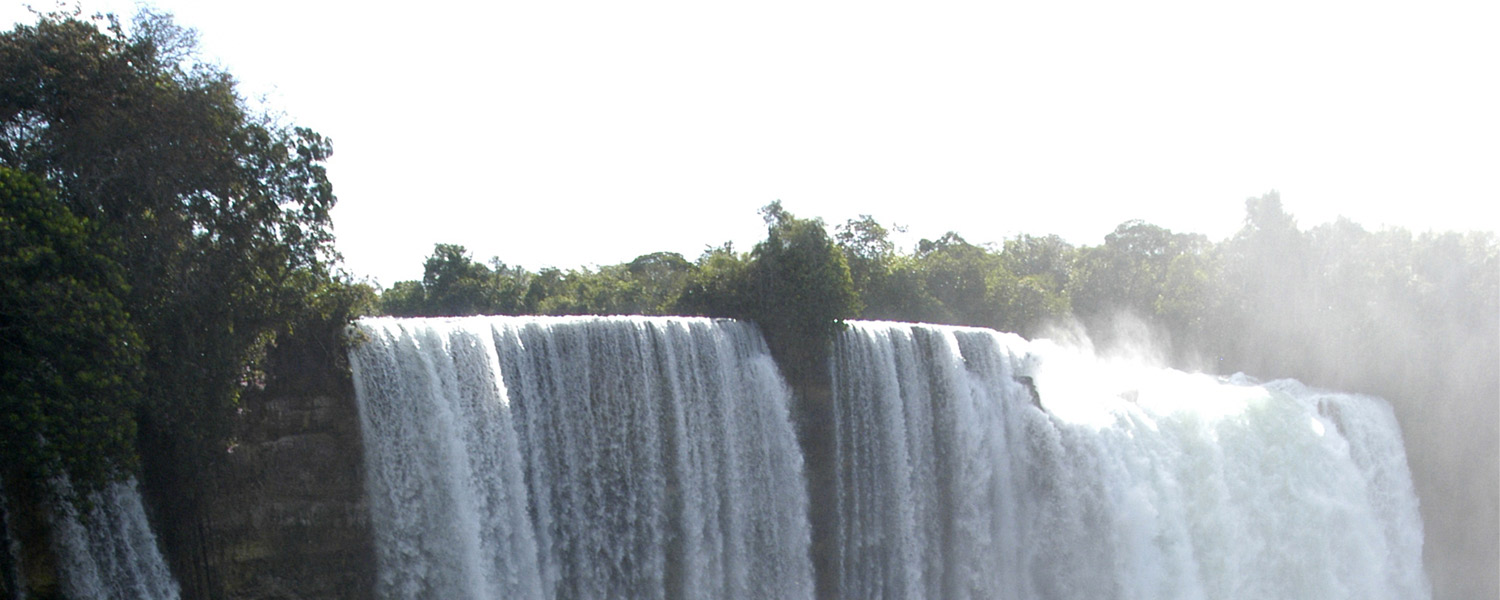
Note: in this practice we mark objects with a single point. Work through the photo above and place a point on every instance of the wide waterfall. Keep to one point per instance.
(110, 553)
(580, 458)
(632, 457)
(974, 464)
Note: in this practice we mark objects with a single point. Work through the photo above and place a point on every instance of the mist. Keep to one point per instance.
(1414, 319)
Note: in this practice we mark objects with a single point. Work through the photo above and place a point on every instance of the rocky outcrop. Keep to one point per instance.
(287, 518)
(281, 513)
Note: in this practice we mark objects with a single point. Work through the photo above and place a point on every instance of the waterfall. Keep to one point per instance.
(655, 458)
(975, 464)
(12, 582)
(579, 458)
(110, 553)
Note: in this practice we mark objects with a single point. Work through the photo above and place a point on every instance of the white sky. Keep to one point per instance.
(567, 133)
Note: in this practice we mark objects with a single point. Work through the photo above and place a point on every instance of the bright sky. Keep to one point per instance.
(574, 133)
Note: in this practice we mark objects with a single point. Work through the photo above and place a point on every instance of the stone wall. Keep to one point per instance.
(282, 512)
(287, 517)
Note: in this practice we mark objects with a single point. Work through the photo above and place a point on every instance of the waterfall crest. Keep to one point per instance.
(579, 457)
(974, 464)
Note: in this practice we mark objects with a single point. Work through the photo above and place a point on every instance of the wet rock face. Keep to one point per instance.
(280, 515)
(287, 518)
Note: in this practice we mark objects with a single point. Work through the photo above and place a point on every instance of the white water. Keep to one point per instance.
(12, 582)
(1128, 482)
(110, 553)
(579, 458)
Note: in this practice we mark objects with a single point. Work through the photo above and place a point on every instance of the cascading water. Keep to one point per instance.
(12, 583)
(580, 458)
(635, 457)
(974, 464)
(110, 553)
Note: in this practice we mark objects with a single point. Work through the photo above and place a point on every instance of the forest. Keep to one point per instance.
(160, 240)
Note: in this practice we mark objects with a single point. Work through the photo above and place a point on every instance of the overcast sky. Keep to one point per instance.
(585, 133)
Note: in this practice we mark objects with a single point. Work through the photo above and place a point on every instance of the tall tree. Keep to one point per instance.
(795, 285)
(1268, 275)
(868, 250)
(800, 284)
(218, 215)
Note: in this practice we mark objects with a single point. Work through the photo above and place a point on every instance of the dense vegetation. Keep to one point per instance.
(1385, 311)
(1210, 305)
(69, 364)
(158, 236)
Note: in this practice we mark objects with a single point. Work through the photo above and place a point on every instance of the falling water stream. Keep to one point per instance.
(975, 464)
(110, 552)
(580, 458)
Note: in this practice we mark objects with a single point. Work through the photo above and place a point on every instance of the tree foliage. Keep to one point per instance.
(800, 285)
(69, 354)
(454, 284)
(889, 284)
(718, 286)
(216, 215)
(1335, 282)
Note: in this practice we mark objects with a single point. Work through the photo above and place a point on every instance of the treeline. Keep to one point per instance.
(1270, 285)
(796, 284)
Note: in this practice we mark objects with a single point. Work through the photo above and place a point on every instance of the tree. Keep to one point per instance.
(610, 290)
(661, 277)
(69, 354)
(889, 285)
(1126, 273)
(867, 249)
(404, 299)
(795, 285)
(547, 283)
(1024, 305)
(1268, 275)
(718, 286)
(455, 284)
(1031, 288)
(217, 215)
(957, 274)
(801, 290)
(901, 294)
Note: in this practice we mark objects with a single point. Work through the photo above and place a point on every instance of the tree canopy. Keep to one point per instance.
(1271, 285)
(209, 221)
(69, 353)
